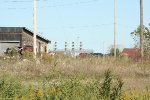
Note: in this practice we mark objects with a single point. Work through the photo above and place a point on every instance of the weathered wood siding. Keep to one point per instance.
(10, 37)
(27, 39)
(20, 36)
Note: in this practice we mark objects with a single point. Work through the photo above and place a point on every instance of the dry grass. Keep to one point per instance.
(135, 74)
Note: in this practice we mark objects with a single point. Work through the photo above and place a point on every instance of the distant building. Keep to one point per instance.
(13, 37)
(131, 52)
(73, 53)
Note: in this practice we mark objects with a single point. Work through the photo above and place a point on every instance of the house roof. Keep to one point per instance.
(131, 52)
(11, 29)
(38, 36)
(20, 30)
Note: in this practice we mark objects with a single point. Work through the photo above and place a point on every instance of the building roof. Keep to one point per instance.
(11, 29)
(19, 30)
(38, 36)
(131, 52)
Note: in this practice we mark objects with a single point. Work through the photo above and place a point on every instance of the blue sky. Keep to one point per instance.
(87, 21)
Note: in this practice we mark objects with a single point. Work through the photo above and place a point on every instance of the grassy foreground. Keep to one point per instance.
(67, 78)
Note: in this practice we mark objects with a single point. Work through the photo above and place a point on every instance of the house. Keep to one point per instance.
(14, 37)
(131, 52)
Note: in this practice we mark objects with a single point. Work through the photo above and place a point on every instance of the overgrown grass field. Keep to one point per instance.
(74, 78)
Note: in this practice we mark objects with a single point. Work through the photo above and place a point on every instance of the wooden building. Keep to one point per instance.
(131, 52)
(14, 37)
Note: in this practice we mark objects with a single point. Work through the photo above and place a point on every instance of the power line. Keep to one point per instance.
(50, 6)
(20, 1)
(76, 27)
(126, 26)
(89, 26)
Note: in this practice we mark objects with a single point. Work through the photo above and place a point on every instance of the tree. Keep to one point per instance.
(136, 37)
(111, 52)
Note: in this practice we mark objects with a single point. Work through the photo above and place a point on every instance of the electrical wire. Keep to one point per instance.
(20, 1)
(49, 6)
(127, 26)
(87, 26)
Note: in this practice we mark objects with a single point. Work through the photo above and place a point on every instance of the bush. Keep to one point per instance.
(9, 88)
(11, 52)
(68, 88)
(74, 88)
(28, 55)
(109, 91)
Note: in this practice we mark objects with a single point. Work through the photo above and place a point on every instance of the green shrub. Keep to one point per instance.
(28, 55)
(74, 88)
(11, 52)
(109, 91)
(9, 88)
(66, 88)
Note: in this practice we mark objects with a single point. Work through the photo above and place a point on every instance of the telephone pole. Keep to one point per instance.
(142, 29)
(34, 24)
(114, 28)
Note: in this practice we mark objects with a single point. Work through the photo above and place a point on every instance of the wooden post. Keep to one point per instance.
(142, 29)
(34, 35)
(114, 28)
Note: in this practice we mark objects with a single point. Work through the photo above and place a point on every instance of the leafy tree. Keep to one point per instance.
(111, 52)
(136, 37)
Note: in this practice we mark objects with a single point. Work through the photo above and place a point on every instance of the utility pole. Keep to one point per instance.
(142, 29)
(114, 28)
(34, 23)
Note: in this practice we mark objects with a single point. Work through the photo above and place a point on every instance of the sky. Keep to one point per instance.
(86, 21)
